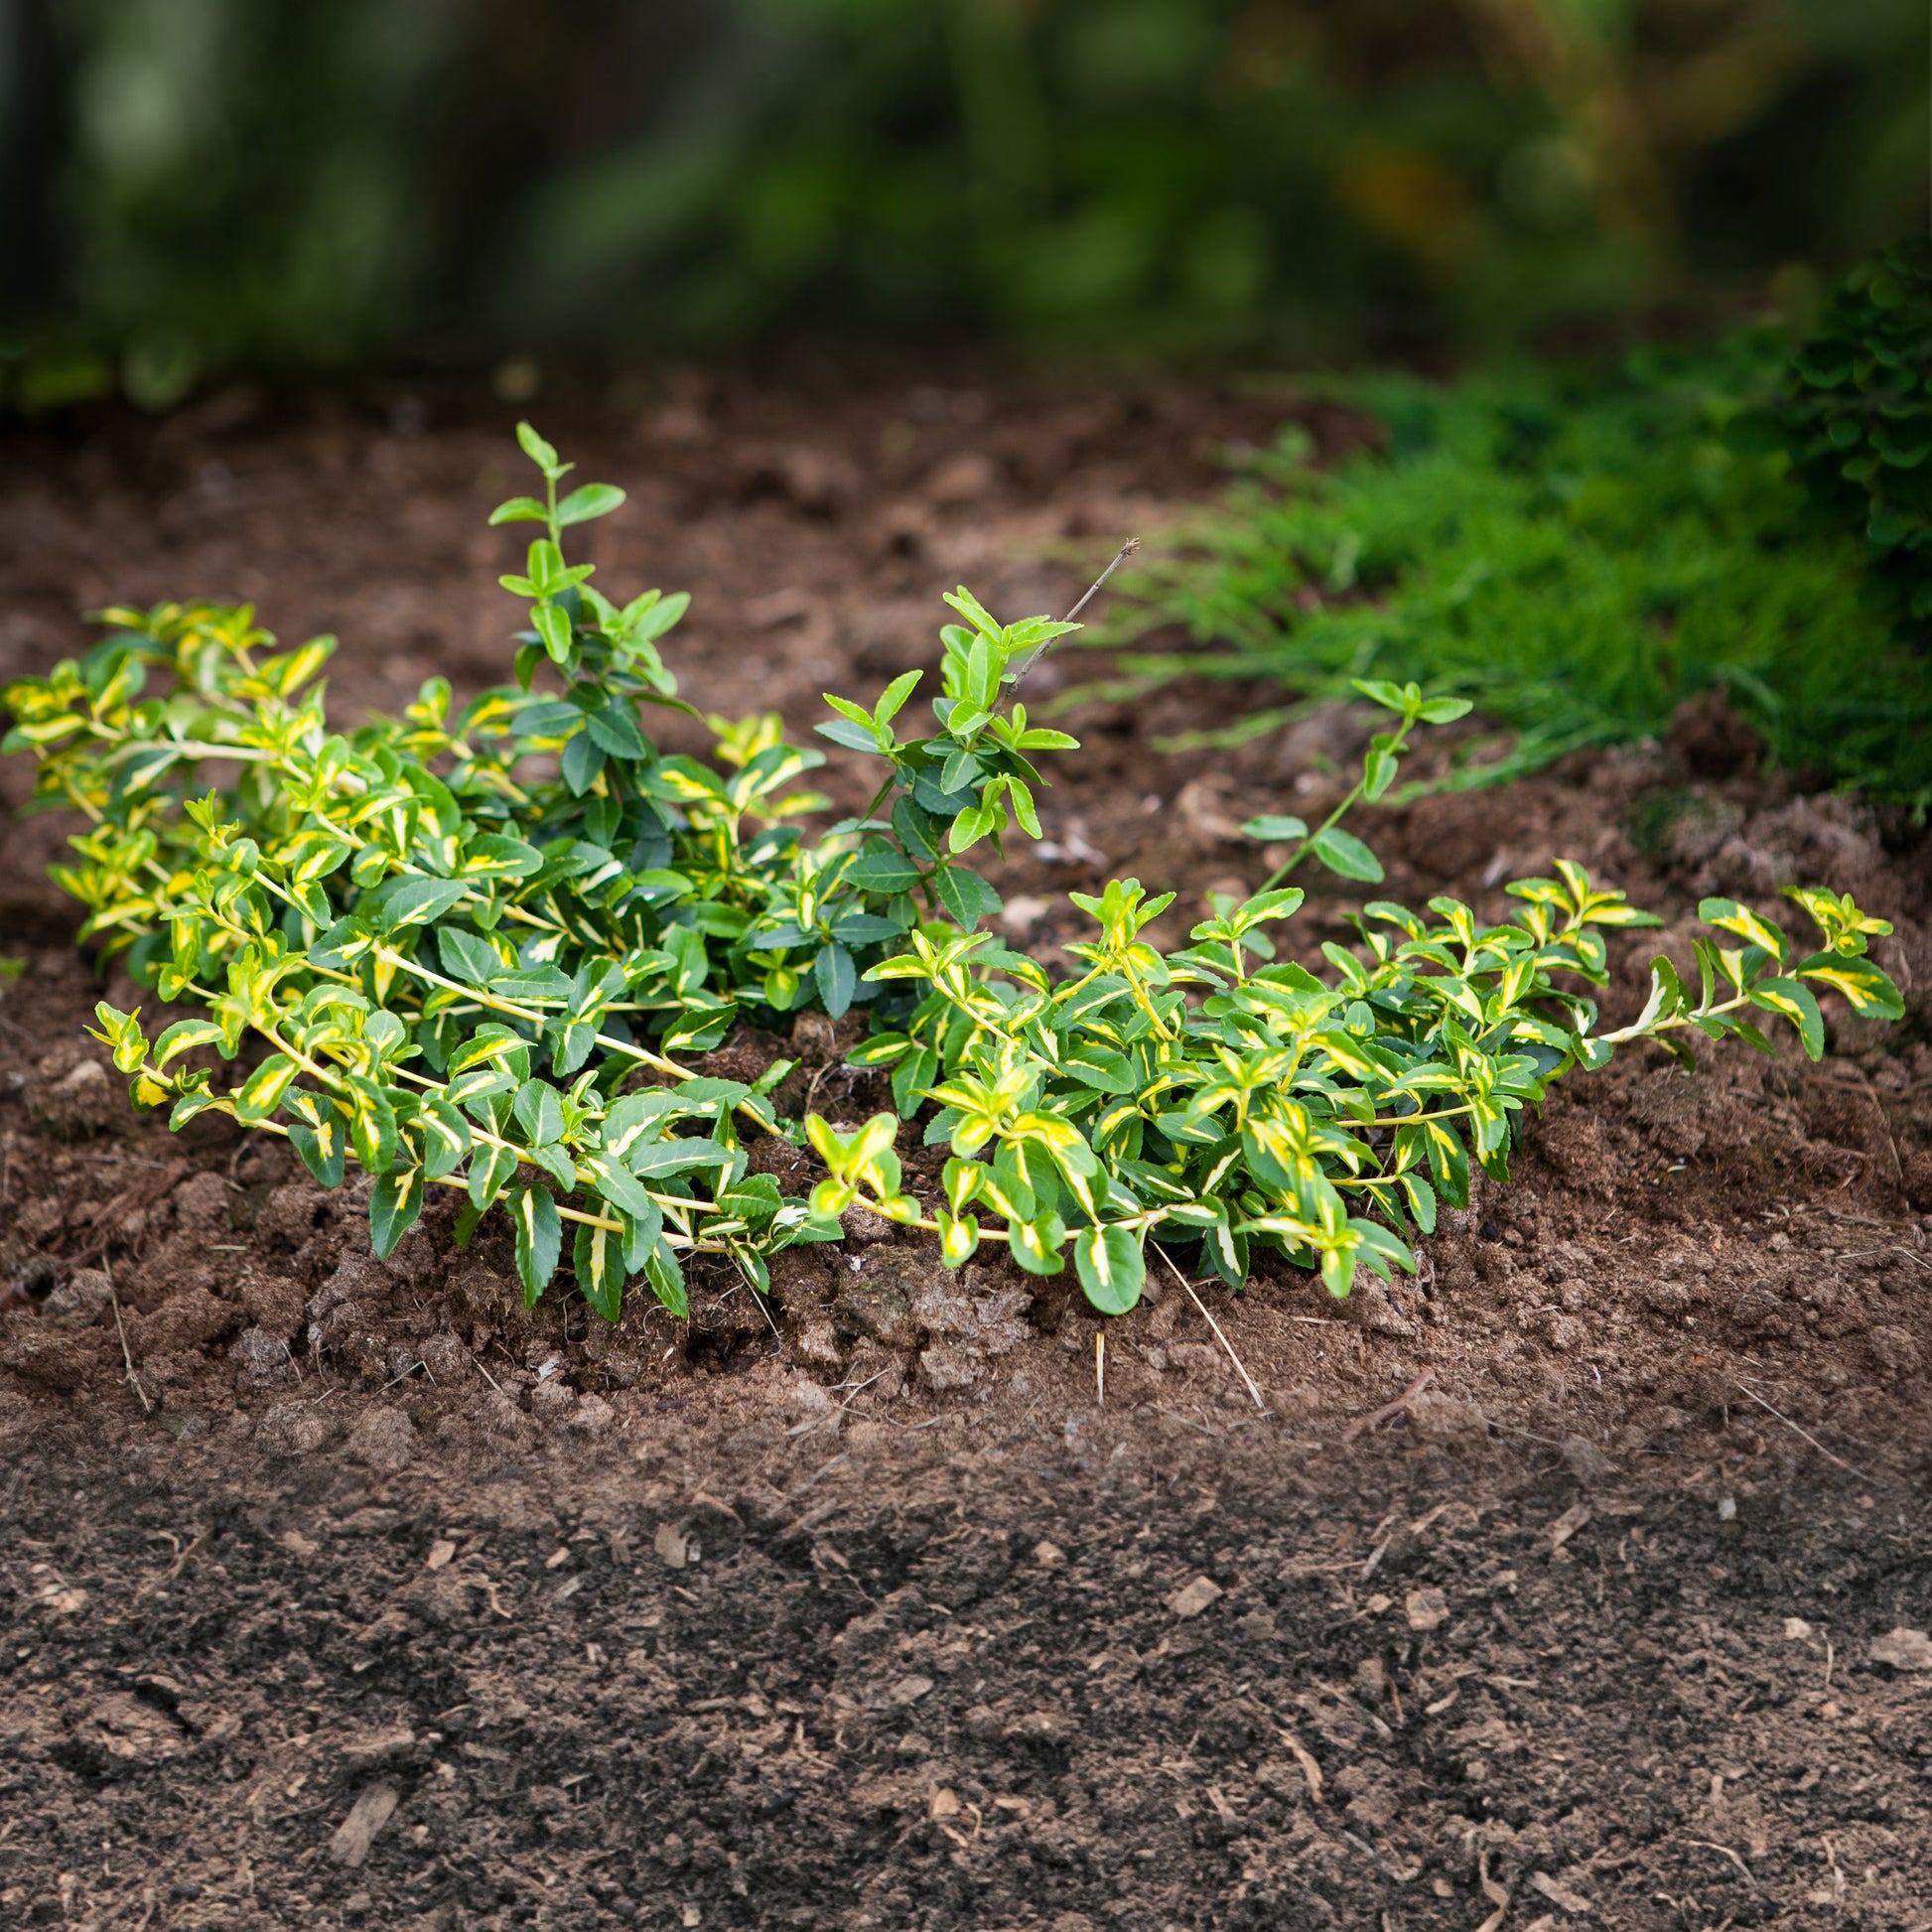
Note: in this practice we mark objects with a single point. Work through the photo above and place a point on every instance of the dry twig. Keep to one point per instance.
(1389, 1410)
(1215, 1325)
(127, 1356)
(1847, 1467)
(1711, 1844)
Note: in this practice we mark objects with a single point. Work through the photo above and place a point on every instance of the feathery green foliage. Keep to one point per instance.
(1856, 413)
(447, 964)
(1574, 554)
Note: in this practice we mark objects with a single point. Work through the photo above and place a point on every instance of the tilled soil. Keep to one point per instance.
(862, 1608)
(1111, 1674)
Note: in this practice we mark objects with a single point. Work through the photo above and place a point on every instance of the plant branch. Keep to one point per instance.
(1121, 555)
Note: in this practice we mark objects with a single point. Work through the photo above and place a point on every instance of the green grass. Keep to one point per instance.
(1575, 552)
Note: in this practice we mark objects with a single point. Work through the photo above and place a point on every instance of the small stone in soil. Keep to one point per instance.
(1903, 1649)
(80, 1302)
(358, 1832)
(552, 1398)
(1568, 1524)
(592, 1416)
(1426, 1609)
(1194, 1598)
(376, 1749)
(295, 1428)
(383, 1439)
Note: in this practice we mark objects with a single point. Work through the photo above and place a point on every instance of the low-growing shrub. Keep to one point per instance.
(476, 950)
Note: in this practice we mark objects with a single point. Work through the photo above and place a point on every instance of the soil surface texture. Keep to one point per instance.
(1583, 1580)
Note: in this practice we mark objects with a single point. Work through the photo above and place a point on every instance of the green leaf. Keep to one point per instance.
(539, 1110)
(323, 1149)
(1343, 852)
(667, 1278)
(183, 1037)
(640, 1232)
(552, 624)
(894, 696)
(965, 896)
(1036, 1244)
(1422, 1201)
(539, 1239)
(615, 730)
(1024, 812)
(520, 509)
(976, 822)
(852, 738)
(372, 1125)
(755, 1200)
(837, 977)
(413, 901)
(1381, 691)
(984, 662)
(656, 1157)
(1799, 1005)
(262, 1093)
(1666, 999)
(1271, 829)
(394, 1203)
(1728, 916)
(918, 831)
(1111, 1266)
(538, 451)
(582, 760)
(586, 501)
(699, 1028)
(491, 1171)
(619, 1187)
(467, 957)
(1867, 990)
(445, 1135)
(495, 856)
(880, 868)
(1096, 1067)
(910, 1078)
(597, 1254)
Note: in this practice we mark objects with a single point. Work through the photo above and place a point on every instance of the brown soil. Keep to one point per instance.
(859, 1609)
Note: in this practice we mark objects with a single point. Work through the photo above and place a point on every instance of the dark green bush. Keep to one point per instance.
(1856, 410)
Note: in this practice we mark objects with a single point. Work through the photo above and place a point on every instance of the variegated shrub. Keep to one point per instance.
(477, 949)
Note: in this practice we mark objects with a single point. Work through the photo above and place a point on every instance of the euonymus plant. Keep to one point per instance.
(478, 951)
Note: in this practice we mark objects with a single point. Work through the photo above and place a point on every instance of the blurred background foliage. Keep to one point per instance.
(191, 186)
